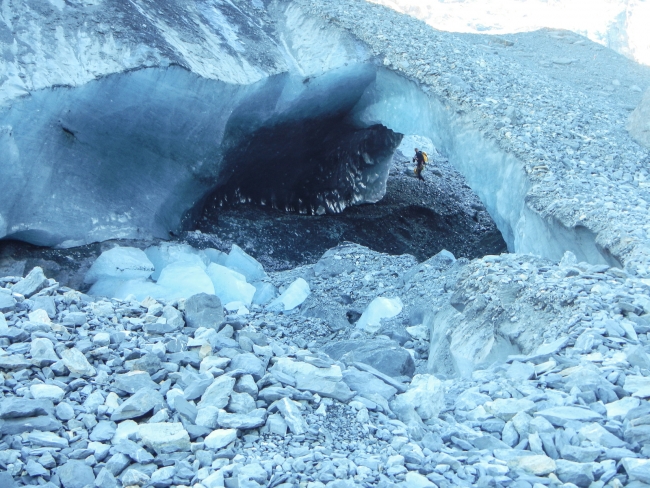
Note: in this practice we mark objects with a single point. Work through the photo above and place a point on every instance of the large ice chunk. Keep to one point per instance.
(169, 252)
(380, 308)
(123, 263)
(229, 285)
(241, 262)
(120, 289)
(182, 280)
(215, 256)
(293, 296)
(264, 293)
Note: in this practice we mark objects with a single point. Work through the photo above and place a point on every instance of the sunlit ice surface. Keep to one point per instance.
(622, 25)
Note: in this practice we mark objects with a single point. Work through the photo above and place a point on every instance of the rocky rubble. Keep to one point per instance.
(98, 392)
(566, 126)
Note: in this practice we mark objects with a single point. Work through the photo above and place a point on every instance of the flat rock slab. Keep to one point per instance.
(560, 416)
(141, 403)
(14, 407)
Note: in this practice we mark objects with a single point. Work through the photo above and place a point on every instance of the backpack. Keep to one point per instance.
(424, 155)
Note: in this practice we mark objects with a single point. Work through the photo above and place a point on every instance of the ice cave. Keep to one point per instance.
(219, 269)
(140, 154)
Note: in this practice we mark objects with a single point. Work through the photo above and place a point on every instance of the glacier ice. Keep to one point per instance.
(380, 308)
(215, 256)
(122, 263)
(264, 293)
(241, 262)
(296, 293)
(180, 272)
(229, 285)
(167, 253)
(182, 280)
(121, 289)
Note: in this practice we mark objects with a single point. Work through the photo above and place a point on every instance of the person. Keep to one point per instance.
(419, 157)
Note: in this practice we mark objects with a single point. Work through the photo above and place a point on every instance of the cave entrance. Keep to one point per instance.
(412, 217)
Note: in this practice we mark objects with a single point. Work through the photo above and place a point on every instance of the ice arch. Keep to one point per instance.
(137, 154)
(497, 177)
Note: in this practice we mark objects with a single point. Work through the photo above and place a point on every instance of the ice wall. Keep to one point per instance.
(497, 177)
(129, 155)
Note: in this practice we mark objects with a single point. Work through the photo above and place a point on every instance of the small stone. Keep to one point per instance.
(102, 339)
(134, 477)
(248, 363)
(64, 411)
(250, 420)
(47, 392)
(34, 282)
(76, 474)
(276, 425)
(165, 438)
(538, 465)
(596, 433)
(218, 393)
(35, 469)
(47, 439)
(219, 439)
(141, 403)
(208, 417)
(133, 381)
(292, 416)
(637, 469)
(559, 416)
(577, 473)
(77, 363)
(7, 303)
(15, 407)
(42, 352)
(39, 316)
(507, 408)
(103, 431)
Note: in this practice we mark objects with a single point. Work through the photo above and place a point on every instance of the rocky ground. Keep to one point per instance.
(103, 392)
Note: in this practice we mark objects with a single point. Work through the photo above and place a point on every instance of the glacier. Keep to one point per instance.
(130, 133)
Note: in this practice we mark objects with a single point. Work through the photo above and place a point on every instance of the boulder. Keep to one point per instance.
(384, 355)
(203, 310)
(327, 382)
